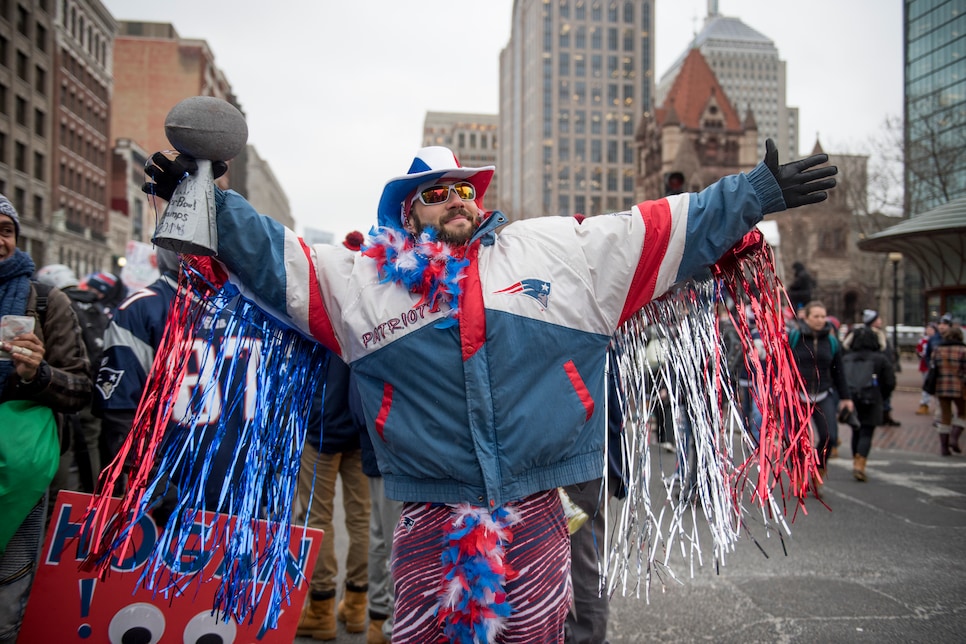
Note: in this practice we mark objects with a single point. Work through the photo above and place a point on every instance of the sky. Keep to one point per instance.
(335, 92)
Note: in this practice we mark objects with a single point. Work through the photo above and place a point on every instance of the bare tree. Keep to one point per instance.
(935, 152)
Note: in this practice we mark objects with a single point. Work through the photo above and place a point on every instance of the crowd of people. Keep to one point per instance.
(494, 439)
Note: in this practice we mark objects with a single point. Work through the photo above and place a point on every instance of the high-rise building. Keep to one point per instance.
(55, 94)
(575, 78)
(935, 103)
(472, 137)
(747, 65)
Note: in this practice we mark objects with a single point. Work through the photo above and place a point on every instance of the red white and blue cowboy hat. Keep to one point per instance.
(434, 163)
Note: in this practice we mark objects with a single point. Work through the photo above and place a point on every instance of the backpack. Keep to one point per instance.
(93, 322)
(861, 378)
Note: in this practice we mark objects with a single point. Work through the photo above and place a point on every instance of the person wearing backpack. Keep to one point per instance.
(44, 373)
(871, 380)
(819, 359)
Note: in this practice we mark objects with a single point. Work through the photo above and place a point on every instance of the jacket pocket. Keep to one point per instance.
(580, 388)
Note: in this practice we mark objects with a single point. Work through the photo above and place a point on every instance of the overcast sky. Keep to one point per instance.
(336, 91)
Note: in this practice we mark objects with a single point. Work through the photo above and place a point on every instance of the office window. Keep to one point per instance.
(22, 65)
(40, 128)
(20, 156)
(564, 63)
(38, 207)
(40, 38)
(23, 16)
(40, 80)
(39, 166)
(21, 110)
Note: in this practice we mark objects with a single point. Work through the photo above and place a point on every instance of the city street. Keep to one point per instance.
(887, 562)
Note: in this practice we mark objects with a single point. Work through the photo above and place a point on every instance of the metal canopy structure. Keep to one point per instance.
(934, 241)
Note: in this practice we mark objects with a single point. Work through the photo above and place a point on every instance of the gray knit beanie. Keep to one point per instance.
(6, 208)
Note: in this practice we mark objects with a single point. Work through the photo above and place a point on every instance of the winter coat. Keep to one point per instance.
(950, 358)
(819, 360)
(63, 382)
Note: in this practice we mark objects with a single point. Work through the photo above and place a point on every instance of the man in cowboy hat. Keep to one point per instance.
(479, 358)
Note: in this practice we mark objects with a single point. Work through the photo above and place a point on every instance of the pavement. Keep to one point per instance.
(882, 561)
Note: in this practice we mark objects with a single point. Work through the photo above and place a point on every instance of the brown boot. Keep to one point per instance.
(944, 442)
(923, 410)
(318, 620)
(858, 467)
(818, 481)
(374, 634)
(352, 610)
(954, 434)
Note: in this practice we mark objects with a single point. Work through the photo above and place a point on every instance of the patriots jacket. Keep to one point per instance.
(509, 401)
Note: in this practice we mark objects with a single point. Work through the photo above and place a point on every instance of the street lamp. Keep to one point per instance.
(895, 258)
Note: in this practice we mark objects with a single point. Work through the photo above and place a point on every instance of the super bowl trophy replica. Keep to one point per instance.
(206, 129)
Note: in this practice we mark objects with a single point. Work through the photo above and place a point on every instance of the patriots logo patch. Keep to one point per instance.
(409, 523)
(537, 289)
(107, 380)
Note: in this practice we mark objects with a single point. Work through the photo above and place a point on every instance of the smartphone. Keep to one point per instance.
(12, 326)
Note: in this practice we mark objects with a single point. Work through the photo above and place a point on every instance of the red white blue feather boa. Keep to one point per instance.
(431, 268)
(473, 605)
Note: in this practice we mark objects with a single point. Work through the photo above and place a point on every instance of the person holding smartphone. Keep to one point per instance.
(46, 375)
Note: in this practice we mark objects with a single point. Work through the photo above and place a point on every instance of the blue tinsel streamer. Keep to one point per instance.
(261, 483)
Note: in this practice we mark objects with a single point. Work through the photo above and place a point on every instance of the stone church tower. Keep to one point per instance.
(696, 132)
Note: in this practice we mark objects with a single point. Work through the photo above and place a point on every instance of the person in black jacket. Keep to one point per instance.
(871, 380)
(818, 355)
(800, 290)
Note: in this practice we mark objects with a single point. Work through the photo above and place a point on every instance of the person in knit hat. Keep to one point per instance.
(44, 373)
(871, 320)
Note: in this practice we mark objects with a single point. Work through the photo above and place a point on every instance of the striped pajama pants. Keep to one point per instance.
(539, 551)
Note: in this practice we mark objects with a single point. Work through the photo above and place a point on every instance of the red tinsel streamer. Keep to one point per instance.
(151, 422)
(785, 454)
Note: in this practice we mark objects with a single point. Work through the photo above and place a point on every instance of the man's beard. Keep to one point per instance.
(458, 238)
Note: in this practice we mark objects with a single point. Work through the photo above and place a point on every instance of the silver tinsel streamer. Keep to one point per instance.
(670, 360)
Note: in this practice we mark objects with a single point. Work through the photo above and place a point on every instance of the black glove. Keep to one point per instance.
(168, 173)
(800, 186)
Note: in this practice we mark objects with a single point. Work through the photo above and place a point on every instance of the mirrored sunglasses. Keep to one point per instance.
(440, 194)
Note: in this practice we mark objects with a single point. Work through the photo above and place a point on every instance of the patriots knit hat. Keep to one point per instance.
(6, 208)
(947, 318)
(434, 163)
(869, 316)
(101, 282)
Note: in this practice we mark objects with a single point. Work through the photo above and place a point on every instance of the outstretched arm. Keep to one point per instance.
(269, 263)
